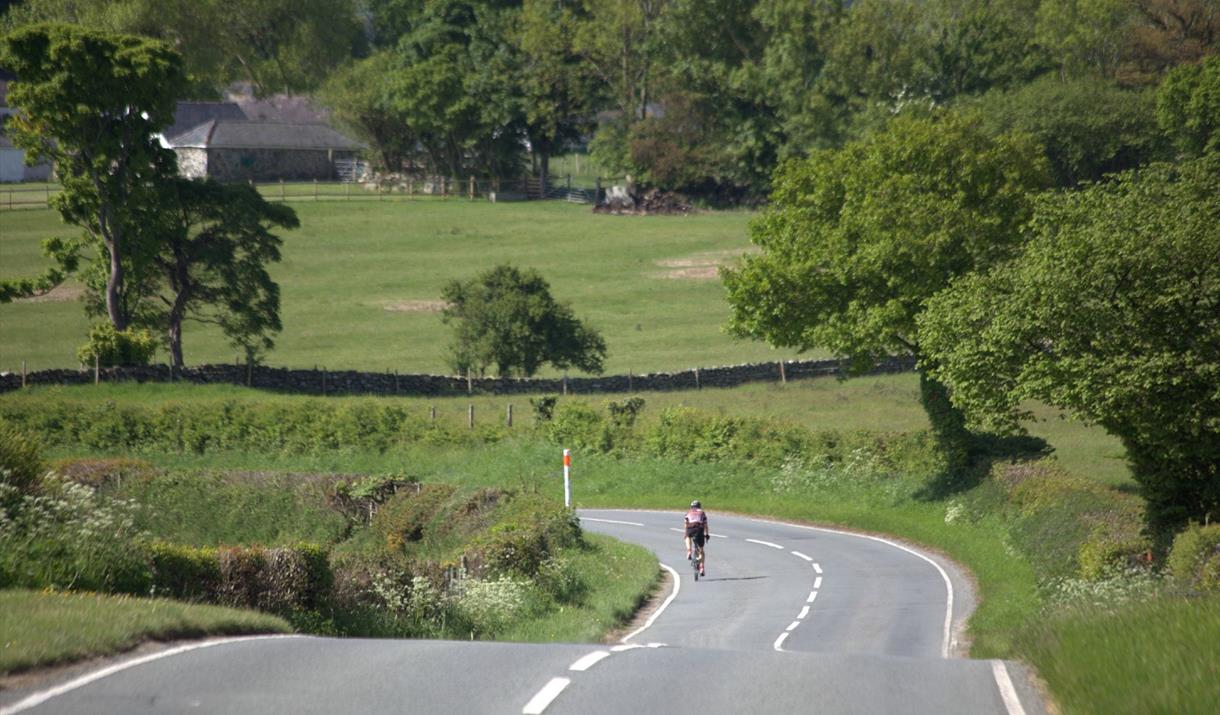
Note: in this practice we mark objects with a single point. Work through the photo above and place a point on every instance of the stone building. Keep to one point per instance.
(237, 150)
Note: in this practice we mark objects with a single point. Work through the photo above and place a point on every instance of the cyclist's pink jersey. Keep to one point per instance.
(696, 520)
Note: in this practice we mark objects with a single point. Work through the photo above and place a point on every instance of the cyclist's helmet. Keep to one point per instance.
(696, 505)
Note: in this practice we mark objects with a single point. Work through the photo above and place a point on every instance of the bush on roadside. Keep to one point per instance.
(69, 537)
(1194, 560)
(21, 463)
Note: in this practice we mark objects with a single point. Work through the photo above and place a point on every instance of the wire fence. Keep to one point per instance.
(38, 196)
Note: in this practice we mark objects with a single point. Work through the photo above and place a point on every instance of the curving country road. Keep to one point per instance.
(789, 619)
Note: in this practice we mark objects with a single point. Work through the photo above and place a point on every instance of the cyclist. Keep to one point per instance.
(697, 532)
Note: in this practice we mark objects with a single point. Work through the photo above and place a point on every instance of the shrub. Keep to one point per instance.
(117, 347)
(69, 537)
(103, 472)
(1194, 560)
(578, 426)
(185, 572)
(488, 605)
(1105, 551)
(21, 463)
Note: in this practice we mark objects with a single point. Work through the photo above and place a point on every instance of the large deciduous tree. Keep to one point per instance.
(1188, 106)
(91, 103)
(506, 317)
(216, 243)
(1111, 313)
(856, 241)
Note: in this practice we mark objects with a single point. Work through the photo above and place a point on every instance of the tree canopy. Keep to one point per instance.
(1113, 313)
(506, 317)
(91, 102)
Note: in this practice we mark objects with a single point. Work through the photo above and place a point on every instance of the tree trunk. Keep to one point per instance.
(948, 428)
(114, 307)
(175, 341)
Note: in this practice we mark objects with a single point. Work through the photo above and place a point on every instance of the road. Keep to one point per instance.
(789, 619)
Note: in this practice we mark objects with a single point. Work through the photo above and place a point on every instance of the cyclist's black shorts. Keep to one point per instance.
(696, 535)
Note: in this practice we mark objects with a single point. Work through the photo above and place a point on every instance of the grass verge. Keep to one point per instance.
(39, 629)
(1158, 656)
(621, 577)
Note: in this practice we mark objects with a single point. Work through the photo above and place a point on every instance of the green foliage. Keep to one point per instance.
(506, 317)
(92, 103)
(1087, 127)
(21, 464)
(543, 407)
(112, 347)
(283, 580)
(277, 45)
(1188, 106)
(1194, 560)
(69, 537)
(215, 244)
(1110, 314)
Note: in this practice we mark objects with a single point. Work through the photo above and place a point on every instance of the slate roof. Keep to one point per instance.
(232, 134)
(188, 115)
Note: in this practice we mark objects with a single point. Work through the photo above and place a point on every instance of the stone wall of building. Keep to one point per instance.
(192, 163)
(274, 164)
(349, 382)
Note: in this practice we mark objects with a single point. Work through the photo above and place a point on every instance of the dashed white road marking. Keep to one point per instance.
(817, 568)
(659, 611)
(611, 521)
(625, 646)
(543, 698)
(1007, 692)
(812, 595)
(589, 660)
(41, 697)
(804, 612)
(792, 626)
(680, 531)
(765, 543)
(802, 556)
(718, 536)
(779, 642)
(817, 583)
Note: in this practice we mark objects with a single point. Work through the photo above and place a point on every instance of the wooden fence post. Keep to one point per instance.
(324, 381)
(697, 385)
(470, 416)
(395, 382)
(472, 188)
(630, 382)
(782, 377)
(510, 414)
(97, 369)
(432, 412)
(565, 383)
(23, 373)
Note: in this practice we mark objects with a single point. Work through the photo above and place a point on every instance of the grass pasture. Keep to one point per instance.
(360, 284)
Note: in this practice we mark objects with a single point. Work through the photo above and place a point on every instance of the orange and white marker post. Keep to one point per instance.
(567, 478)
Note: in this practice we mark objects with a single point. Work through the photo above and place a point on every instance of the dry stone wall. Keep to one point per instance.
(350, 382)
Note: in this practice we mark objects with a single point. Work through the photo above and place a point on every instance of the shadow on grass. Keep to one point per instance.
(983, 452)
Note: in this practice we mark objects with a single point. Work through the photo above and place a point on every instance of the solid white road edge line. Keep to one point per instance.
(1007, 692)
(779, 642)
(588, 661)
(611, 521)
(765, 543)
(948, 627)
(45, 695)
(802, 556)
(543, 698)
(804, 612)
(659, 611)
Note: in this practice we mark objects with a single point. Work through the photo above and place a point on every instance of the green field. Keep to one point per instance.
(361, 280)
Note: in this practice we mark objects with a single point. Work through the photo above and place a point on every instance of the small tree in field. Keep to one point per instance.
(506, 317)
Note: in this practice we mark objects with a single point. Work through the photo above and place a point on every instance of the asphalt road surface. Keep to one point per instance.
(789, 619)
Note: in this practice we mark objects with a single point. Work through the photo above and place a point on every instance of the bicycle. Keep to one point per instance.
(696, 559)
